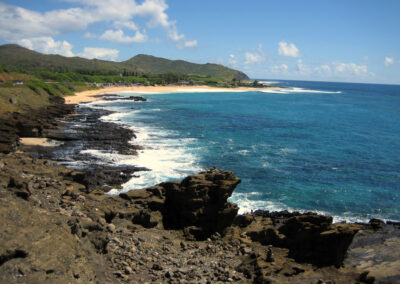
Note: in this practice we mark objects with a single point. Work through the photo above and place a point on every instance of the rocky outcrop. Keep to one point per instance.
(104, 177)
(115, 97)
(33, 124)
(309, 237)
(314, 239)
(54, 230)
(200, 202)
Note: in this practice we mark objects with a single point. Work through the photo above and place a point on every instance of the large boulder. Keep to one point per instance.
(200, 201)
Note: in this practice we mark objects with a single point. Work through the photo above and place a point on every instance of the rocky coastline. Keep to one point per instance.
(58, 225)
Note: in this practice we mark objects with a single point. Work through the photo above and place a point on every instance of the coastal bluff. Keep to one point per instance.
(53, 229)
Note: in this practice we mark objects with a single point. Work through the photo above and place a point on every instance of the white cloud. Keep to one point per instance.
(188, 44)
(100, 53)
(232, 60)
(350, 68)
(323, 70)
(89, 35)
(155, 10)
(127, 24)
(174, 35)
(119, 36)
(255, 57)
(283, 68)
(48, 45)
(389, 61)
(302, 68)
(288, 49)
(17, 23)
(104, 10)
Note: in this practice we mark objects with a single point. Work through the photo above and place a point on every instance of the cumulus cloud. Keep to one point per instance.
(334, 70)
(127, 24)
(389, 61)
(155, 9)
(17, 23)
(99, 53)
(254, 57)
(174, 35)
(288, 49)
(48, 45)
(302, 68)
(323, 70)
(188, 44)
(119, 36)
(283, 68)
(232, 60)
(350, 68)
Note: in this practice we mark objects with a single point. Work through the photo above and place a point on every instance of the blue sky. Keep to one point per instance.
(348, 41)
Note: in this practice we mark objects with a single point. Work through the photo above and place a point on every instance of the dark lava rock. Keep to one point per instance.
(15, 125)
(309, 237)
(201, 201)
(104, 177)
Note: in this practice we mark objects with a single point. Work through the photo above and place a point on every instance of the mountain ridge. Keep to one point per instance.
(13, 55)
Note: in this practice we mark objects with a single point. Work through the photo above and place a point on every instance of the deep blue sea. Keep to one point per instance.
(333, 148)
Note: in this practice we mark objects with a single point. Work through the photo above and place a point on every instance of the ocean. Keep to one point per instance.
(331, 148)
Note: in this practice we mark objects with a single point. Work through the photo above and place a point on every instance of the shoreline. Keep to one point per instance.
(92, 95)
(250, 247)
(99, 95)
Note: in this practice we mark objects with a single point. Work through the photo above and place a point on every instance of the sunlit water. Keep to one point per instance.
(327, 147)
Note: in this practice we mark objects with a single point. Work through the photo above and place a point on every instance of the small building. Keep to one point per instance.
(184, 83)
(18, 83)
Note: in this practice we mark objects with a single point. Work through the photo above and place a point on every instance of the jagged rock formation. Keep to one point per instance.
(197, 204)
(54, 230)
(309, 237)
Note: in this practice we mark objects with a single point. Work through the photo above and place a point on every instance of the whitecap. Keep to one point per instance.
(285, 151)
(243, 152)
(247, 204)
(296, 90)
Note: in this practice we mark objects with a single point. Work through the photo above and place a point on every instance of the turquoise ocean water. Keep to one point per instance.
(333, 148)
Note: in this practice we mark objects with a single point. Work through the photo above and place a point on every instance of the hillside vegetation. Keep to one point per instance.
(15, 56)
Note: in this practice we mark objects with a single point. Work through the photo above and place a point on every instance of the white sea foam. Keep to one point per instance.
(165, 154)
(268, 82)
(243, 152)
(296, 90)
(247, 204)
(285, 151)
(174, 158)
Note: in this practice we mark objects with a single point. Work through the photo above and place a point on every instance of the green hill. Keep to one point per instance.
(15, 56)
(158, 65)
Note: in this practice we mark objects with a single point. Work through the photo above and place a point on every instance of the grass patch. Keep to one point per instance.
(25, 98)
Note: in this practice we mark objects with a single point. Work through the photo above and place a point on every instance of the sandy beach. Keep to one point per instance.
(89, 96)
(34, 141)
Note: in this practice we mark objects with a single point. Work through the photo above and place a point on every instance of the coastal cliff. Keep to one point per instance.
(58, 225)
